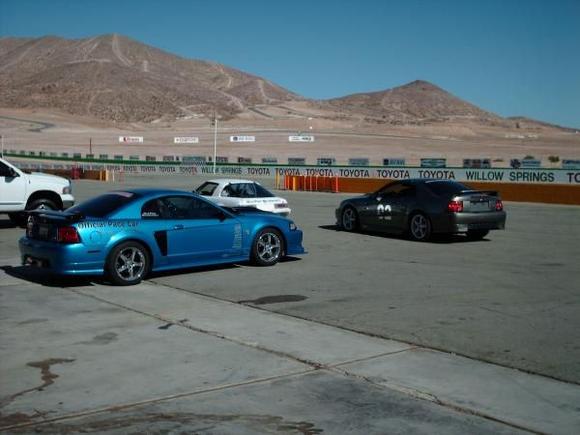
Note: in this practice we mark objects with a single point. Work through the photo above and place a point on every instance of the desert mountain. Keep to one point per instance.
(417, 102)
(116, 78)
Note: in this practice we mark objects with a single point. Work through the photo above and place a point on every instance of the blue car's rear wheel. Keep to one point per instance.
(268, 247)
(128, 263)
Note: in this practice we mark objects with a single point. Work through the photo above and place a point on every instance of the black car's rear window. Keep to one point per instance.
(103, 205)
(445, 188)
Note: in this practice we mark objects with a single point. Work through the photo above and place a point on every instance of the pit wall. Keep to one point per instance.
(558, 186)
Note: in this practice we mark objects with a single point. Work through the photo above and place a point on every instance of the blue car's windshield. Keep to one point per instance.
(103, 205)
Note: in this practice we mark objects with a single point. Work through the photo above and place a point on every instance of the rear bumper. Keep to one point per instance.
(60, 259)
(463, 222)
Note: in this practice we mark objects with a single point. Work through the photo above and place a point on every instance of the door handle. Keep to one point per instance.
(178, 227)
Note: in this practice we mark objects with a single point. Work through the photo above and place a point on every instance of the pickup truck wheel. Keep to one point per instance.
(42, 204)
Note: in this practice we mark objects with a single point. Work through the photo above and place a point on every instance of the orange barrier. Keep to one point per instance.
(78, 173)
(311, 183)
(542, 193)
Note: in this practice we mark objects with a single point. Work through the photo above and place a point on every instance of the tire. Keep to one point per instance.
(349, 219)
(477, 234)
(268, 247)
(419, 228)
(128, 263)
(42, 204)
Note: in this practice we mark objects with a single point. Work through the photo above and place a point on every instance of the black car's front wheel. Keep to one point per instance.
(268, 247)
(128, 263)
(419, 227)
(349, 219)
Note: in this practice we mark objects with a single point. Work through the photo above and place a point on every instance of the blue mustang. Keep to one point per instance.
(127, 234)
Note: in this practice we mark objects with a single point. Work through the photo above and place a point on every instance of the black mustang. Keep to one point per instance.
(419, 208)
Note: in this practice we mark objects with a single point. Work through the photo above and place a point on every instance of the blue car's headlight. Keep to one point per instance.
(293, 226)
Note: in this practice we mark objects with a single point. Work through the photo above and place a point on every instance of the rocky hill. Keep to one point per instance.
(417, 102)
(116, 78)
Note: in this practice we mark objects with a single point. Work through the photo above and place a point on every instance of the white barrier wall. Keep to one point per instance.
(503, 175)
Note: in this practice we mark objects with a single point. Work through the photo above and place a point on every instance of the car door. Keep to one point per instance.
(197, 232)
(12, 188)
(390, 207)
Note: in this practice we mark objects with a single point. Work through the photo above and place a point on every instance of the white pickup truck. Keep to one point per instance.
(20, 191)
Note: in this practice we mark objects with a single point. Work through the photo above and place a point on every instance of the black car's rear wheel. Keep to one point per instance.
(349, 219)
(128, 263)
(268, 247)
(419, 227)
(476, 234)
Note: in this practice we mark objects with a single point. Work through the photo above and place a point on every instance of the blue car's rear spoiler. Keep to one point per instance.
(56, 216)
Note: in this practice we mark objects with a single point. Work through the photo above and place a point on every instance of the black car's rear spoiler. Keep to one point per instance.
(56, 216)
(484, 192)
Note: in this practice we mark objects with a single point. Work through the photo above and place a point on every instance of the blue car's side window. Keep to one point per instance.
(179, 207)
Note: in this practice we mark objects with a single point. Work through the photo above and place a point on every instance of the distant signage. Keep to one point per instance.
(570, 164)
(299, 161)
(358, 161)
(394, 162)
(525, 163)
(242, 138)
(301, 138)
(130, 139)
(433, 163)
(477, 163)
(325, 161)
(193, 159)
(269, 160)
(244, 160)
(186, 139)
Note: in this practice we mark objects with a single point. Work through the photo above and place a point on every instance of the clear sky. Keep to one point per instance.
(512, 57)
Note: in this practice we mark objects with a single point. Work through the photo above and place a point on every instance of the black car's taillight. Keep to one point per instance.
(68, 235)
(455, 206)
(498, 205)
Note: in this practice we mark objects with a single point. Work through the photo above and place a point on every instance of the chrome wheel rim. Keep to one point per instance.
(348, 219)
(130, 264)
(419, 227)
(269, 247)
(43, 207)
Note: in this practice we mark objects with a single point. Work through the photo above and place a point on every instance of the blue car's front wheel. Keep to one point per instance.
(128, 263)
(268, 247)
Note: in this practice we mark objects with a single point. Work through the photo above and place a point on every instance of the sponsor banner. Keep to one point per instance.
(301, 138)
(525, 163)
(394, 162)
(570, 164)
(130, 139)
(534, 176)
(477, 163)
(433, 163)
(186, 139)
(242, 138)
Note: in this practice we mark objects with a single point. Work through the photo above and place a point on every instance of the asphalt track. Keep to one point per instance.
(512, 299)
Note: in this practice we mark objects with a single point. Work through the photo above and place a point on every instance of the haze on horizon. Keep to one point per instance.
(509, 57)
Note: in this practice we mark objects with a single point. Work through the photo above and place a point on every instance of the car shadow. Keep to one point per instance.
(6, 223)
(435, 238)
(47, 279)
(210, 268)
